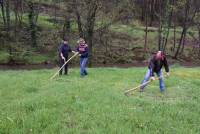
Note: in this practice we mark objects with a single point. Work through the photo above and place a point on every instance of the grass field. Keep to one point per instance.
(32, 104)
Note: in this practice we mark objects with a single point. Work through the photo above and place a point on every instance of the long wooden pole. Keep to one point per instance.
(133, 89)
(64, 65)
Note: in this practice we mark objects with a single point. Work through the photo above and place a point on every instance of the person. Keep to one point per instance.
(64, 50)
(82, 48)
(155, 66)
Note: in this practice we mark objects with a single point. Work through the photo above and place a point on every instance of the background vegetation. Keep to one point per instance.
(116, 31)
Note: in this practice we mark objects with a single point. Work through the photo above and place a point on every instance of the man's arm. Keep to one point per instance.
(151, 67)
(86, 52)
(61, 53)
(166, 66)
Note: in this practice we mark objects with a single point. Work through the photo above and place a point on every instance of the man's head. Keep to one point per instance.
(65, 40)
(159, 55)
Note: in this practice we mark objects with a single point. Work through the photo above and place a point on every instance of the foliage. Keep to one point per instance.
(41, 24)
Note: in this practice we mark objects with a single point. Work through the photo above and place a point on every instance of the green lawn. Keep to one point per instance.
(31, 103)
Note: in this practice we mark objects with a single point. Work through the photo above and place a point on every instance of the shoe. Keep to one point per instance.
(141, 90)
(85, 72)
(82, 76)
(162, 90)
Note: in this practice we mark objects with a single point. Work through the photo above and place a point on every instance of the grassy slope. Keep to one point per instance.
(134, 31)
(30, 103)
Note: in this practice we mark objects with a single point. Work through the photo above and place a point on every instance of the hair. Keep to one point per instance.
(162, 55)
(81, 40)
(65, 39)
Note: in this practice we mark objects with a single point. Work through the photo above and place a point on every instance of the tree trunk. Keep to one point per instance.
(146, 23)
(160, 27)
(80, 29)
(143, 10)
(8, 15)
(160, 35)
(174, 46)
(32, 22)
(20, 14)
(169, 25)
(55, 13)
(78, 18)
(8, 29)
(90, 29)
(152, 12)
(183, 42)
(66, 27)
(16, 15)
(199, 42)
(180, 42)
(185, 27)
(3, 12)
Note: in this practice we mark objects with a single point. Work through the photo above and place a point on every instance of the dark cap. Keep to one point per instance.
(65, 39)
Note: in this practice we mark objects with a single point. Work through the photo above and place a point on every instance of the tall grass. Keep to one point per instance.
(31, 103)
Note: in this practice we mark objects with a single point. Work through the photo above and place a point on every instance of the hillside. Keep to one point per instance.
(118, 33)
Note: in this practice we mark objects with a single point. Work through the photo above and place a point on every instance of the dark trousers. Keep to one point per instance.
(65, 68)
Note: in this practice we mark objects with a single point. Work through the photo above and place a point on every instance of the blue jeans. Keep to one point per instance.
(83, 62)
(159, 74)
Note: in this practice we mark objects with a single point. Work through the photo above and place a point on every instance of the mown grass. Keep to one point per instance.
(31, 103)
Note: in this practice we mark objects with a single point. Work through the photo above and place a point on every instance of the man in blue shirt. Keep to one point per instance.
(64, 50)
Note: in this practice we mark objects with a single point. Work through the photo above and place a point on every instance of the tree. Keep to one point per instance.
(8, 15)
(189, 15)
(146, 23)
(86, 29)
(18, 11)
(3, 11)
(33, 17)
(78, 17)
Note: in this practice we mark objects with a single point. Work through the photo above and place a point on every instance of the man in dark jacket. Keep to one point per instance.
(64, 50)
(155, 66)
